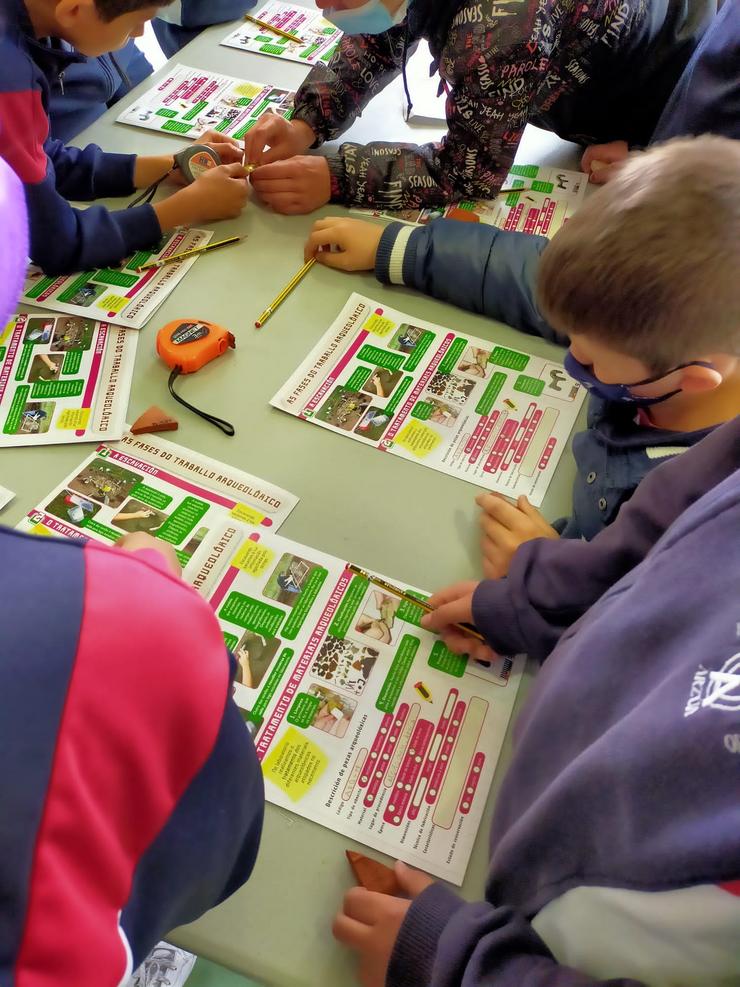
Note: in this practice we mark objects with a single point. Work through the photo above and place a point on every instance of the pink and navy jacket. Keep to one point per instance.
(615, 843)
(132, 798)
(63, 239)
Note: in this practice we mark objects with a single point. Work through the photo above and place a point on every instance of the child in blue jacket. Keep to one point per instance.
(132, 798)
(177, 26)
(693, 215)
(63, 239)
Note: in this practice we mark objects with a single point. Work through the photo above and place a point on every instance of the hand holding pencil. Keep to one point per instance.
(453, 607)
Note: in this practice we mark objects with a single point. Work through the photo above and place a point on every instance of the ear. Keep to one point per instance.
(694, 380)
(68, 12)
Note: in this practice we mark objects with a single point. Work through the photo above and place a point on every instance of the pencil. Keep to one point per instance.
(276, 30)
(188, 253)
(395, 591)
(293, 283)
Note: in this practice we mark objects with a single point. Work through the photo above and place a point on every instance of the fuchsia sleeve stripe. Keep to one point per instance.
(141, 716)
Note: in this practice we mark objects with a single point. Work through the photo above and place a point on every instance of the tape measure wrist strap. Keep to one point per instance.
(226, 427)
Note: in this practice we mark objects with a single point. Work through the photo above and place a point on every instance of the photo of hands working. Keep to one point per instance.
(370, 504)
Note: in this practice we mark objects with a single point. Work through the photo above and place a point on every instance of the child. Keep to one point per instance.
(132, 798)
(590, 71)
(64, 239)
(615, 855)
(665, 228)
(182, 22)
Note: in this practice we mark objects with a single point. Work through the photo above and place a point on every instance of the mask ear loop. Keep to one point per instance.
(226, 427)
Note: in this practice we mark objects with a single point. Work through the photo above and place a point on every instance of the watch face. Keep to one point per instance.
(188, 332)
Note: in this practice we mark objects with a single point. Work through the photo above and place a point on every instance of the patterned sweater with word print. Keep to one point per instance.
(592, 71)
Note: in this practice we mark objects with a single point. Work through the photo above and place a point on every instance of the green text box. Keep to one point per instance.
(529, 385)
(90, 524)
(347, 609)
(182, 557)
(182, 520)
(151, 497)
(79, 282)
(422, 345)
(547, 187)
(422, 410)
(398, 396)
(196, 109)
(138, 259)
(173, 127)
(396, 677)
(118, 278)
(303, 710)
(58, 388)
(358, 379)
(251, 614)
(526, 171)
(490, 395)
(13, 421)
(72, 362)
(452, 356)
(169, 114)
(381, 358)
(231, 640)
(447, 661)
(303, 604)
(272, 49)
(409, 612)
(512, 359)
(238, 134)
(22, 369)
(40, 287)
(272, 682)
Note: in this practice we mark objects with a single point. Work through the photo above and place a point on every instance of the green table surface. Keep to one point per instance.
(277, 928)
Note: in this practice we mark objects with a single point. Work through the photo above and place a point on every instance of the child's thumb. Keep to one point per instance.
(235, 170)
(412, 882)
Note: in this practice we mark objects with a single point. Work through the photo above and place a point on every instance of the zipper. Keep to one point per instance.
(61, 80)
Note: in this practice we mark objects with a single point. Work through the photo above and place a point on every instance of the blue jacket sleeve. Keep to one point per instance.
(474, 266)
(179, 25)
(552, 583)
(445, 942)
(64, 239)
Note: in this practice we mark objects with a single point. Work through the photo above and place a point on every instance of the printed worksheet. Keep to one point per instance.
(187, 102)
(495, 416)
(122, 295)
(315, 40)
(5, 497)
(64, 378)
(549, 199)
(146, 483)
(363, 722)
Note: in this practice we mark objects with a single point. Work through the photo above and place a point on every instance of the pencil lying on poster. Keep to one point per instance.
(188, 253)
(266, 26)
(395, 591)
(293, 283)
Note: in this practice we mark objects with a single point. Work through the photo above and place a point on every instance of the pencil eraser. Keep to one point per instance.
(258, 325)
(372, 875)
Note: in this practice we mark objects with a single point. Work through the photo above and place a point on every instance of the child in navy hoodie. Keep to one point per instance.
(615, 842)
(132, 797)
(63, 239)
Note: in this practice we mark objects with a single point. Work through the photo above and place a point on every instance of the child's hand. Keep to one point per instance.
(294, 187)
(220, 193)
(602, 161)
(505, 527)
(229, 150)
(273, 138)
(369, 923)
(142, 542)
(454, 605)
(357, 243)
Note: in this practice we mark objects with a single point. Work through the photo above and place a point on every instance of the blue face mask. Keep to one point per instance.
(371, 18)
(623, 392)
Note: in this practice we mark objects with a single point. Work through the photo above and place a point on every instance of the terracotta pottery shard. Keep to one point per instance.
(154, 420)
(372, 875)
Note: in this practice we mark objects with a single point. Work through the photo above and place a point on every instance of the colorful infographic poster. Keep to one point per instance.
(492, 415)
(552, 196)
(315, 39)
(187, 102)
(121, 296)
(363, 722)
(5, 497)
(149, 484)
(63, 378)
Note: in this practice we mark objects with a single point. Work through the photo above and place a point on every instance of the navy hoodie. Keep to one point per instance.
(179, 24)
(62, 239)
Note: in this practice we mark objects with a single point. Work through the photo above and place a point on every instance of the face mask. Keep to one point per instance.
(372, 18)
(622, 392)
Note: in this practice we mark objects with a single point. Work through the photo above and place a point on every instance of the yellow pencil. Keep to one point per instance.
(275, 30)
(188, 253)
(395, 591)
(293, 283)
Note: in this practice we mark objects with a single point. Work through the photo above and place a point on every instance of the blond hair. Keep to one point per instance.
(650, 264)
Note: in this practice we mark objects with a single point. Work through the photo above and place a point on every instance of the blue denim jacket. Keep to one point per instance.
(493, 272)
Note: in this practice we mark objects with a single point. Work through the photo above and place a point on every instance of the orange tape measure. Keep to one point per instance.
(186, 346)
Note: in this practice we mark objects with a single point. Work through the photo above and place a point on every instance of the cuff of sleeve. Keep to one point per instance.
(139, 227)
(313, 121)
(336, 173)
(389, 260)
(415, 948)
(115, 176)
(495, 617)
